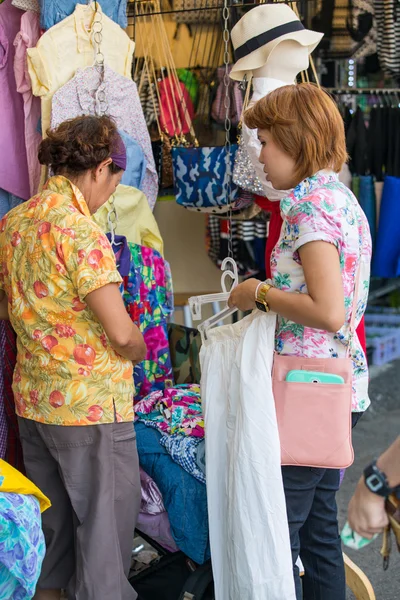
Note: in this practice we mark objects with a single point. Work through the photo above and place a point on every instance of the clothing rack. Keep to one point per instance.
(365, 91)
(133, 6)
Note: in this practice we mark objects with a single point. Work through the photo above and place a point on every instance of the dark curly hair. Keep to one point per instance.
(79, 145)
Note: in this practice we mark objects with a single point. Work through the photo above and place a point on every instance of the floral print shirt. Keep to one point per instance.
(52, 254)
(323, 209)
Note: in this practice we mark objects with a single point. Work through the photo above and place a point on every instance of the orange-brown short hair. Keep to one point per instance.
(305, 123)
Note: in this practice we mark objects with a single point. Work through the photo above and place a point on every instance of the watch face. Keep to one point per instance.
(261, 306)
(374, 483)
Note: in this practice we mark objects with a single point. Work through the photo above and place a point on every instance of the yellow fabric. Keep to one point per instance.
(52, 255)
(134, 218)
(68, 46)
(14, 482)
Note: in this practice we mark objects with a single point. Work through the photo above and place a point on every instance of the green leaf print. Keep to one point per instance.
(305, 208)
(282, 280)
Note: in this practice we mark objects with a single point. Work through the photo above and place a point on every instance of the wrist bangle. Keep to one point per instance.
(258, 287)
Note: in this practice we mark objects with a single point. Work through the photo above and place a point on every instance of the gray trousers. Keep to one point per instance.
(91, 475)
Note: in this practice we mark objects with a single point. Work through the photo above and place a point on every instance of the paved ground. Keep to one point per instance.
(376, 430)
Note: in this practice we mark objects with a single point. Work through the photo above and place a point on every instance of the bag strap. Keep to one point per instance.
(352, 324)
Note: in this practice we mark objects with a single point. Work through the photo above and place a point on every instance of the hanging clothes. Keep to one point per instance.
(388, 36)
(367, 202)
(27, 5)
(14, 176)
(386, 259)
(77, 97)
(8, 202)
(135, 162)
(357, 144)
(147, 299)
(135, 220)
(54, 11)
(28, 37)
(68, 46)
(249, 534)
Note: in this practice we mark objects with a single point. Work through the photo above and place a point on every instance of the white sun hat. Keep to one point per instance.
(260, 30)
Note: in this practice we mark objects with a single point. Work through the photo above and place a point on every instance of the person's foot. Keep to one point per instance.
(47, 595)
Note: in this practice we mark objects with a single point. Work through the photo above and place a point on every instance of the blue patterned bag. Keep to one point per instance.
(201, 177)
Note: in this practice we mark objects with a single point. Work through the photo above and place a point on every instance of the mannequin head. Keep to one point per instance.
(285, 62)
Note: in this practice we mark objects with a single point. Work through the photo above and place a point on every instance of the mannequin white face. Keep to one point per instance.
(285, 62)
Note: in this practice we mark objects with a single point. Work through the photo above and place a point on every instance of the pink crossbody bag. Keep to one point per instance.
(314, 420)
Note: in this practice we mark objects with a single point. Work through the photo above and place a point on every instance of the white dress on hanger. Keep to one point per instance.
(249, 534)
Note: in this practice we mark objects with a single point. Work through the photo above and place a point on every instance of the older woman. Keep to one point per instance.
(324, 243)
(73, 382)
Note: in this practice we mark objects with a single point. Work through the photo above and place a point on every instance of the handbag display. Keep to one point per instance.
(314, 419)
(201, 177)
(187, 13)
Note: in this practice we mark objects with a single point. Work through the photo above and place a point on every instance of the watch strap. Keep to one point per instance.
(376, 481)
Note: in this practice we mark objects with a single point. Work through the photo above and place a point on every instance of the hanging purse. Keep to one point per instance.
(201, 178)
(314, 419)
(244, 173)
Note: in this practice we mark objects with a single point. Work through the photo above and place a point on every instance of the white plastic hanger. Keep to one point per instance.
(196, 302)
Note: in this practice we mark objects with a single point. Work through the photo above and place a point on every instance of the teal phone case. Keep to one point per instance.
(313, 377)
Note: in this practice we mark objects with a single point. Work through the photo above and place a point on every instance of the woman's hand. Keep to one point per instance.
(243, 296)
(366, 514)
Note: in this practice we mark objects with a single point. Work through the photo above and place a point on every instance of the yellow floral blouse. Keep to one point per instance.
(52, 255)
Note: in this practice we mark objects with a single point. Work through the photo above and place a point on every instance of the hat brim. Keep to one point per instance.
(259, 57)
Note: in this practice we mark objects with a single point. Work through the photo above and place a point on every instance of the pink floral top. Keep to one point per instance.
(323, 209)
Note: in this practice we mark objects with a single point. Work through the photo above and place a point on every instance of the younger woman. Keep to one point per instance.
(324, 240)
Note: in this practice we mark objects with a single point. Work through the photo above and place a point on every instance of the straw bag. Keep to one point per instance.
(314, 420)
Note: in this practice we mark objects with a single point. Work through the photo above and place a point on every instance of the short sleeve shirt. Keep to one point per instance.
(52, 255)
(323, 209)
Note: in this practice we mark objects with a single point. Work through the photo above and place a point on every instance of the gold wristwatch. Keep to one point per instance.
(261, 297)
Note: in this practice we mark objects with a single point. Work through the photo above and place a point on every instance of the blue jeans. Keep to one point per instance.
(314, 532)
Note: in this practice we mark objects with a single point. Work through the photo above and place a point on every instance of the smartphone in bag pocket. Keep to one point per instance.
(299, 376)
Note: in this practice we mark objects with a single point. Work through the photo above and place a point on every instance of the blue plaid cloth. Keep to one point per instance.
(183, 451)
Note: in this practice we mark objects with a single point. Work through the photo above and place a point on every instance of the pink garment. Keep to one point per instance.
(152, 502)
(117, 96)
(157, 527)
(28, 37)
(13, 163)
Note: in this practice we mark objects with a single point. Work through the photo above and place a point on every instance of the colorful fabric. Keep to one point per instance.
(13, 164)
(28, 37)
(22, 546)
(121, 102)
(27, 5)
(183, 451)
(52, 255)
(184, 346)
(176, 410)
(323, 209)
(54, 11)
(146, 299)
